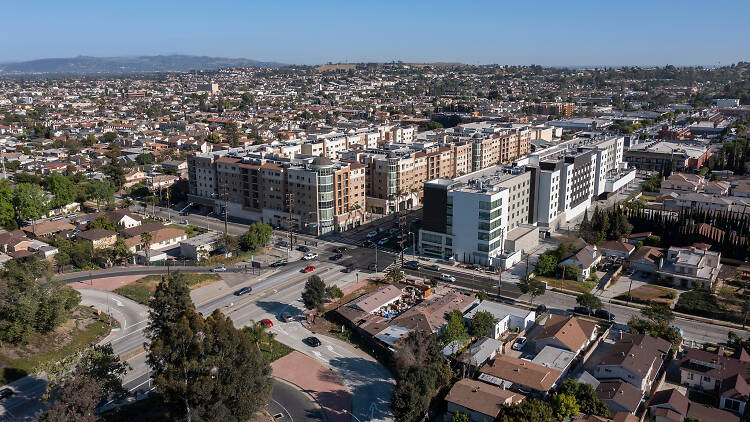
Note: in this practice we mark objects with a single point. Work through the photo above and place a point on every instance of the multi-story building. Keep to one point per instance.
(683, 155)
(473, 217)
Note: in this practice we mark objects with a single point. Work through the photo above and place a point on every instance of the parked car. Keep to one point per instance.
(412, 265)
(447, 277)
(219, 269)
(432, 267)
(309, 256)
(303, 248)
(285, 317)
(243, 291)
(5, 393)
(348, 269)
(339, 250)
(383, 241)
(520, 342)
(279, 263)
(368, 244)
(582, 310)
(603, 314)
(313, 341)
(541, 309)
(372, 234)
(336, 257)
(266, 322)
(394, 230)
(308, 269)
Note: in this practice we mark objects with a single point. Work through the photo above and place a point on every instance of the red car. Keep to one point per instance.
(308, 269)
(266, 323)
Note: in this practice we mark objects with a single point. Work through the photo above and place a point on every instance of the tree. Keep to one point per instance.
(529, 410)
(483, 324)
(98, 363)
(63, 190)
(30, 201)
(233, 133)
(455, 329)
(74, 400)
(589, 300)
(394, 274)
(102, 222)
(228, 242)
(334, 292)
(460, 417)
(171, 300)
(658, 314)
(586, 398)
(314, 293)
(146, 239)
(546, 265)
(7, 210)
(257, 236)
(258, 334)
(101, 191)
(564, 406)
(120, 251)
(481, 295)
(532, 287)
(145, 159)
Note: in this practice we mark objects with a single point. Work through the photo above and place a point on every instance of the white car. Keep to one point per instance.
(447, 277)
(383, 241)
(372, 234)
(219, 269)
(520, 342)
(309, 256)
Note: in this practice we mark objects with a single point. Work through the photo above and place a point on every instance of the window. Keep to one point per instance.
(707, 379)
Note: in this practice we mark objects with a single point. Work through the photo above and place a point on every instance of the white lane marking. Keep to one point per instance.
(117, 302)
(281, 330)
(287, 412)
(330, 349)
(317, 354)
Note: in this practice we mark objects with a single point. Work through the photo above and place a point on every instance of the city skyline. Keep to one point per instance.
(579, 34)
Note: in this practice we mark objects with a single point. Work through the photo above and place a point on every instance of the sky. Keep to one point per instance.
(550, 33)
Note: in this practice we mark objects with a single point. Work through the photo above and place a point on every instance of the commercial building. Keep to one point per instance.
(683, 155)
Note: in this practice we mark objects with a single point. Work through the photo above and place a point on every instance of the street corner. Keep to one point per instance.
(318, 380)
(107, 283)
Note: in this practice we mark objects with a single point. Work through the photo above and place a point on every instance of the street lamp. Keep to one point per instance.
(352, 414)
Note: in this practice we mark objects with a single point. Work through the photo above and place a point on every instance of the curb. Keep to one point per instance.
(308, 395)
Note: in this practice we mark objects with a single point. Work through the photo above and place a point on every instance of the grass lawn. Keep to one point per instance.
(650, 293)
(576, 286)
(84, 328)
(278, 351)
(189, 230)
(142, 289)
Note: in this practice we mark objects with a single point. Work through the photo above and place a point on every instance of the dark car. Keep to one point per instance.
(601, 313)
(348, 269)
(412, 265)
(432, 267)
(313, 341)
(339, 249)
(279, 263)
(303, 248)
(285, 317)
(243, 291)
(582, 310)
(541, 309)
(5, 393)
(336, 257)
(368, 244)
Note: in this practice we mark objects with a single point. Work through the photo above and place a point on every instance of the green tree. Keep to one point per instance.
(483, 324)
(334, 292)
(586, 398)
(145, 159)
(571, 271)
(314, 293)
(102, 222)
(171, 300)
(532, 287)
(394, 275)
(481, 295)
(120, 251)
(233, 133)
(658, 314)
(63, 190)
(98, 363)
(74, 400)
(146, 239)
(30, 201)
(455, 329)
(228, 242)
(589, 300)
(529, 410)
(257, 236)
(546, 265)
(564, 406)
(459, 417)
(7, 210)
(101, 191)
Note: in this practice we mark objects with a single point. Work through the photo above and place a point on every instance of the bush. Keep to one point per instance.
(698, 302)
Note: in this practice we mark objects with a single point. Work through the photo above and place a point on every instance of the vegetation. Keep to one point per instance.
(653, 184)
(699, 302)
(589, 300)
(532, 287)
(657, 324)
(483, 324)
(314, 293)
(455, 329)
(611, 224)
(257, 236)
(143, 289)
(585, 396)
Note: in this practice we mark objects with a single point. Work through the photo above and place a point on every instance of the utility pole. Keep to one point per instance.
(290, 201)
(402, 225)
(226, 207)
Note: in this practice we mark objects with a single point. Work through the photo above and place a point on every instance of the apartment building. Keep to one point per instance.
(472, 217)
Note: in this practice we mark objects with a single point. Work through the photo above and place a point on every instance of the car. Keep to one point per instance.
(582, 310)
(412, 265)
(383, 241)
(313, 341)
(309, 256)
(303, 248)
(372, 234)
(541, 309)
(285, 317)
(393, 230)
(55, 219)
(279, 263)
(219, 269)
(348, 269)
(265, 322)
(447, 277)
(5, 393)
(336, 257)
(368, 244)
(243, 291)
(603, 314)
(432, 267)
(339, 250)
(678, 329)
(520, 342)
(308, 269)
(72, 215)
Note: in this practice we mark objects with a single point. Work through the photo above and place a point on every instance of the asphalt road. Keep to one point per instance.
(290, 405)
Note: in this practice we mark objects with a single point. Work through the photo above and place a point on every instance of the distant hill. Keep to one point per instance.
(115, 65)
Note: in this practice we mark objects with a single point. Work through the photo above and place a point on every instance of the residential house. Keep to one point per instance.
(619, 395)
(672, 406)
(634, 358)
(199, 247)
(566, 333)
(520, 375)
(617, 248)
(508, 317)
(619, 417)
(646, 259)
(587, 258)
(47, 229)
(481, 351)
(685, 267)
(161, 238)
(482, 402)
(99, 238)
(634, 238)
(728, 377)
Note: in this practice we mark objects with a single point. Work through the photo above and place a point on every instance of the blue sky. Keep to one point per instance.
(604, 32)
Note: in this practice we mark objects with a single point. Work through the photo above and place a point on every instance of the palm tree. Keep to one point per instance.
(146, 238)
(259, 335)
(394, 274)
